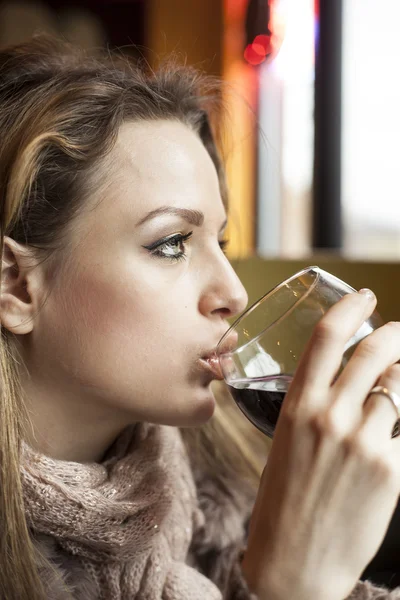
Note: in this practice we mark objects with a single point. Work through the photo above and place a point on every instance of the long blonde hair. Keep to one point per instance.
(60, 113)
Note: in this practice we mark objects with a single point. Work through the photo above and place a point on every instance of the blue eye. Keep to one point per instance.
(172, 248)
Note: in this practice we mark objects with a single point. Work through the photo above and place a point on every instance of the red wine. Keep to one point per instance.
(260, 399)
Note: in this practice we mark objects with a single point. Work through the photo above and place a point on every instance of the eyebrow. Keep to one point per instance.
(194, 217)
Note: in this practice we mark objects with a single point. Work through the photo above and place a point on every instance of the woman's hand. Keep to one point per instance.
(332, 478)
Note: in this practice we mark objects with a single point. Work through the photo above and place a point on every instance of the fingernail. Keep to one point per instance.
(368, 293)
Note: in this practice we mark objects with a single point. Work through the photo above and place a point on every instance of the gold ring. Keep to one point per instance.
(393, 397)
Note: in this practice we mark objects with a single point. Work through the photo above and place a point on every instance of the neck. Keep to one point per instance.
(70, 428)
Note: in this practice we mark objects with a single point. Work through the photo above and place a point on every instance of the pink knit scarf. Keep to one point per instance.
(130, 519)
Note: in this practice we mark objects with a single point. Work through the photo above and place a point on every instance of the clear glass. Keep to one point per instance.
(259, 353)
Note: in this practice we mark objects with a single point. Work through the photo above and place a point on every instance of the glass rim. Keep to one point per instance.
(255, 304)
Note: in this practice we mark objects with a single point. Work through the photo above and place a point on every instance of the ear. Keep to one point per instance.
(19, 284)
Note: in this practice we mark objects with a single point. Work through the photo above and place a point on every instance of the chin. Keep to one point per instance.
(196, 407)
(203, 406)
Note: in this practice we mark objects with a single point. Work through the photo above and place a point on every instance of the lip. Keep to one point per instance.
(211, 363)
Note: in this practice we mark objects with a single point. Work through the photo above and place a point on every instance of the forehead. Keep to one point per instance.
(161, 148)
(155, 164)
(167, 158)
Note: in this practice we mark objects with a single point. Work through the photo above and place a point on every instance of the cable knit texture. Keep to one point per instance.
(145, 524)
(367, 591)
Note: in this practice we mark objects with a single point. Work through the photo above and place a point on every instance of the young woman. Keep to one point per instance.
(114, 293)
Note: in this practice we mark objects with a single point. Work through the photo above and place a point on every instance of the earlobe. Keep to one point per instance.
(16, 303)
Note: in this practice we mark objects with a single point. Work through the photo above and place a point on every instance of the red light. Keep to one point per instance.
(254, 54)
(258, 51)
(265, 42)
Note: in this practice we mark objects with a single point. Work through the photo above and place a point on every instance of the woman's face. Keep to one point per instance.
(148, 288)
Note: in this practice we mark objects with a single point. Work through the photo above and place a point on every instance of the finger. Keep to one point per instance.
(323, 355)
(372, 357)
(391, 381)
(379, 415)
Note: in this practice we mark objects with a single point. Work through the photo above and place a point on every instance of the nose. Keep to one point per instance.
(223, 293)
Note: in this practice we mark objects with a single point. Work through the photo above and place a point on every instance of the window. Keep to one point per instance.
(371, 129)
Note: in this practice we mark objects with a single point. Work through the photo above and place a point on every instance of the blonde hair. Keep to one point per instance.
(60, 113)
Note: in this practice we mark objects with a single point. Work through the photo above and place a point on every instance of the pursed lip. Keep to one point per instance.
(210, 360)
(211, 363)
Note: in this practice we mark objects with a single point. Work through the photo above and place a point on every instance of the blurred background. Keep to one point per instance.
(312, 119)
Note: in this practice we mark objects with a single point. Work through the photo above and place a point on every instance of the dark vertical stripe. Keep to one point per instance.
(327, 213)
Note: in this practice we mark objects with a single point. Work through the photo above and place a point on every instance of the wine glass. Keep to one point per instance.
(259, 353)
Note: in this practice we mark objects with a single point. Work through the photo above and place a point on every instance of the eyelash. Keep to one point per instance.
(172, 242)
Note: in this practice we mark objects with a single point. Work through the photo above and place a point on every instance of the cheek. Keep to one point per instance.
(123, 315)
(121, 342)
(104, 308)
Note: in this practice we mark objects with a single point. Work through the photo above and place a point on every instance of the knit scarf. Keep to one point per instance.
(129, 519)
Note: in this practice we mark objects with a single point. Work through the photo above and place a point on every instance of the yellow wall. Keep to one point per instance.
(191, 27)
(260, 275)
(240, 126)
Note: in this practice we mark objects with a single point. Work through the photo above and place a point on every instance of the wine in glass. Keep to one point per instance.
(260, 352)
